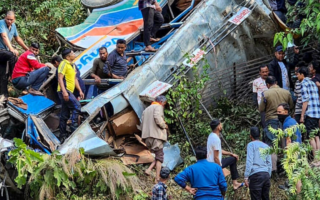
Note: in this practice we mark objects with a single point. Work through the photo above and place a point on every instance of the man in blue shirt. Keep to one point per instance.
(310, 113)
(8, 55)
(116, 65)
(206, 178)
(258, 167)
(287, 122)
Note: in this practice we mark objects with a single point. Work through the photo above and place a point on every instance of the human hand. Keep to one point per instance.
(97, 79)
(65, 96)
(191, 190)
(15, 52)
(158, 8)
(81, 95)
(131, 66)
(246, 182)
(236, 156)
(301, 119)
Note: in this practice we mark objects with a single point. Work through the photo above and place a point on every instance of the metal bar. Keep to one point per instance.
(185, 132)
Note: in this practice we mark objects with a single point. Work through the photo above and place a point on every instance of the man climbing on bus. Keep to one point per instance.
(152, 21)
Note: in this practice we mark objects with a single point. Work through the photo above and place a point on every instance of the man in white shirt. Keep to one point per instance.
(258, 86)
(215, 153)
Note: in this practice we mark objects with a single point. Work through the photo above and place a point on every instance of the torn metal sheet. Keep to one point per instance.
(136, 154)
(155, 89)
(45, 132)
(172, 156)
(5, 144)
(205, 22)
(85, 137)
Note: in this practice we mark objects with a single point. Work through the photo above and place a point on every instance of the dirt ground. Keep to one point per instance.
(175, 192)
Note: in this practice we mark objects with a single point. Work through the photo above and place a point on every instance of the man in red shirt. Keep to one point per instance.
(28, 71)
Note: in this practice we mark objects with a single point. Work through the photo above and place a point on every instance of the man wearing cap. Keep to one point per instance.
(206, 178)
(8, 55)
(67, 83)
(279, 68)
(28, 71)
(154, 132)
(159, 191)
(116, 64)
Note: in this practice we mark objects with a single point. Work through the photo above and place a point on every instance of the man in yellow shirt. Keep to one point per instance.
(67, 82)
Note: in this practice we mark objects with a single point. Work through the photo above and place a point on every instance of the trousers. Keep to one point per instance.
(232, 162)
(34, 79)
(259, 185)
(72, 106)
(6, 57)
(152, 21)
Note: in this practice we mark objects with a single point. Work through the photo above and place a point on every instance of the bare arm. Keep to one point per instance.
(226, 153)
(216, 157)
(21, 43)
(7, 42)
(79, 88)
(303, 112)
(62, 87)
(230, 154)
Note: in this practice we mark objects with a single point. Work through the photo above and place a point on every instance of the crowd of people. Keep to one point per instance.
(284, 99)
(28, 74)
(206, 177)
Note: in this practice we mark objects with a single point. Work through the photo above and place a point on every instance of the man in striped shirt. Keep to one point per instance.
(297, 94)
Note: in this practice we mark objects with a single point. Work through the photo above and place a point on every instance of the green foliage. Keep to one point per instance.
(184, 98)
(70, 176)
(309, 27)
(37, 20)
(237, 119)
(296, 165)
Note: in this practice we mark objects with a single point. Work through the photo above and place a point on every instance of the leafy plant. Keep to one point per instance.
(70, 176)
(296, 164)
(37, 20)
(309, 28)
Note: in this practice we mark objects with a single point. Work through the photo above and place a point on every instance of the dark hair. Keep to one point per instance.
(35, 45)
(121, 41)
(65, 53)
(201, 152)
(301, 64)
(164, 172)
(285, 106)
(55, 59)
(304, 71)
(315, 66)
(271, 80)
(307, 57)
(103, 48)
(255, 132)
(262, 66)
(214, 124)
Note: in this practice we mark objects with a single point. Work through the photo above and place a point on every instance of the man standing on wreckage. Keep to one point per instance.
(67, 82)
